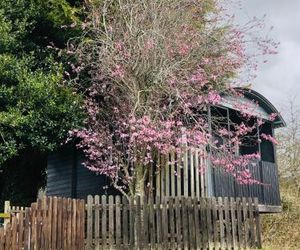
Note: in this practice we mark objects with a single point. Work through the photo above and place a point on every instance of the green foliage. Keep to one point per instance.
(37, 108)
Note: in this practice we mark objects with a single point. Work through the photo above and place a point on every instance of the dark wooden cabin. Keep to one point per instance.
(66, 176)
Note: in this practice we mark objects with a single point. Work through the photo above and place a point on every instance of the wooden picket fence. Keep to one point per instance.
(172, 223)
(50, 223)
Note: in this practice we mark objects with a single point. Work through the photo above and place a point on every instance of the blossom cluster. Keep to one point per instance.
(155, 70)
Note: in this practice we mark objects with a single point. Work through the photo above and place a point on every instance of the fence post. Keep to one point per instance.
(6, 211)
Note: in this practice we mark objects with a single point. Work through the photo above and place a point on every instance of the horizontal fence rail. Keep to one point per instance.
(172, 223)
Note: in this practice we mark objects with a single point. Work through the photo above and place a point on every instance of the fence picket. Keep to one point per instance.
(233, 222)
(182, 223)
(125, 221)
(216, 240)
(221, 221)
(227, 224)
(239, 223)
(89, 231)
(31, 228)
(178, 222)
(246, 225)
(104, 221)
(251, 222)
(151, 223)
(145, 224)
(257, 222)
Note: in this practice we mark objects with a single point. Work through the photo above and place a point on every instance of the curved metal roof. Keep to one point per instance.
(265, 106)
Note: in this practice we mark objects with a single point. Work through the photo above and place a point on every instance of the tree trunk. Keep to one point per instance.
(139, 192)
(140, 182)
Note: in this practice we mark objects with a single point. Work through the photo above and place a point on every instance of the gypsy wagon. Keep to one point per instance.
(67, 177)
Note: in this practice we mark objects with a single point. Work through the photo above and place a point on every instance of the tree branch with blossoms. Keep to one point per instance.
(155, 67)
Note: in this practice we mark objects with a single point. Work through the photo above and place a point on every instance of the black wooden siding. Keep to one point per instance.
(59, 173)
(267, 193)
(67, 177)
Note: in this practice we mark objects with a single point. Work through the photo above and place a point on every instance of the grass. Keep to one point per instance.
(282, 231)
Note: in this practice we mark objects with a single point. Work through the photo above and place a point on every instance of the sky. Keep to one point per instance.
(279, 79)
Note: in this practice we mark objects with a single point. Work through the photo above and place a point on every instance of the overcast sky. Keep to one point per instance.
(279, 79)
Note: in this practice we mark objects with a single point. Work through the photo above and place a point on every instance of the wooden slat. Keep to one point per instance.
(74, 223)
(246, 223)
(221, 220)
(172, 156)
(131, 223)
(197, 173)
(167, 176)
(178, 175)
(152, 223)
(203, 223)
(192, 173)
(111, 228)
(158, 177)
(125, 221)
(158, 220)
(209, 225)
(202, 178)
(145, 223)
(251, 221)
(163, 176)
(239, 223)
(216, 238)
(227, 224)
(257, 224)
(89, 231)
(185, 223)
(185, 174)
(165, 223)
(191, 224)
(97, 222)
(118, 222)
(104, 221)
(69, 224)
(178, 223)
(172, 223)
(233, 209)
(197, 223)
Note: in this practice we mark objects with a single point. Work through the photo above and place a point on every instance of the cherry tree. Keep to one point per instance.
(154, 68)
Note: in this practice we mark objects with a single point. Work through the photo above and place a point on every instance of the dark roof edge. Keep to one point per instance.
(265, 103)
